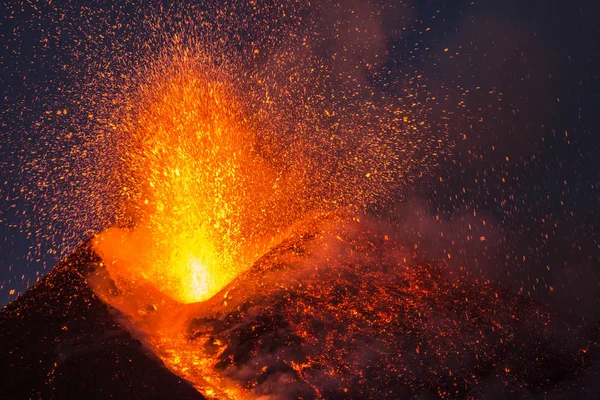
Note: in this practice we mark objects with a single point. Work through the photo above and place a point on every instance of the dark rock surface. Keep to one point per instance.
(60, 341)
(343, 311)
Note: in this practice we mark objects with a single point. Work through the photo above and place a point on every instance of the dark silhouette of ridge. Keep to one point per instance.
(60, 341)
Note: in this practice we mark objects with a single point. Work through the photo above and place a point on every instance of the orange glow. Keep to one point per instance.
(199, 192)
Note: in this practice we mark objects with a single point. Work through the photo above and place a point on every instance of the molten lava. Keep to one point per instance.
(340, 310)
(202, 198)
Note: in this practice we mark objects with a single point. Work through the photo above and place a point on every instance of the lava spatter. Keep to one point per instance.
(199, 192)
(214, 165)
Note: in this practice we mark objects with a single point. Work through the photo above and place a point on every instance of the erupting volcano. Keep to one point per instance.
(238, 190)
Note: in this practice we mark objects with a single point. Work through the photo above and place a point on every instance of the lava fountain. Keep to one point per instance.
(205, 203)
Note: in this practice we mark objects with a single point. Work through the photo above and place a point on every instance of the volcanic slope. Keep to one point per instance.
(60, 341)
(341, 310)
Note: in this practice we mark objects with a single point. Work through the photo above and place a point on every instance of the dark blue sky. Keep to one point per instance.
(525, 74)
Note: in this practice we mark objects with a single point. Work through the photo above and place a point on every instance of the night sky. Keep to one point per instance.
(513, 84)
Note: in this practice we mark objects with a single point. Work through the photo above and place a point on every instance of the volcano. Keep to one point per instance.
(338, 309)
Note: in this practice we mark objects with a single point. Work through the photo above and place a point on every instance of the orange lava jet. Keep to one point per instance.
(202, 198)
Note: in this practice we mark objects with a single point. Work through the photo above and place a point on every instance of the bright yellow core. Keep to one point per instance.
(200, 196)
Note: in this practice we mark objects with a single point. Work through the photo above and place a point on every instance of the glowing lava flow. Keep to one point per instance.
(197, 189)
